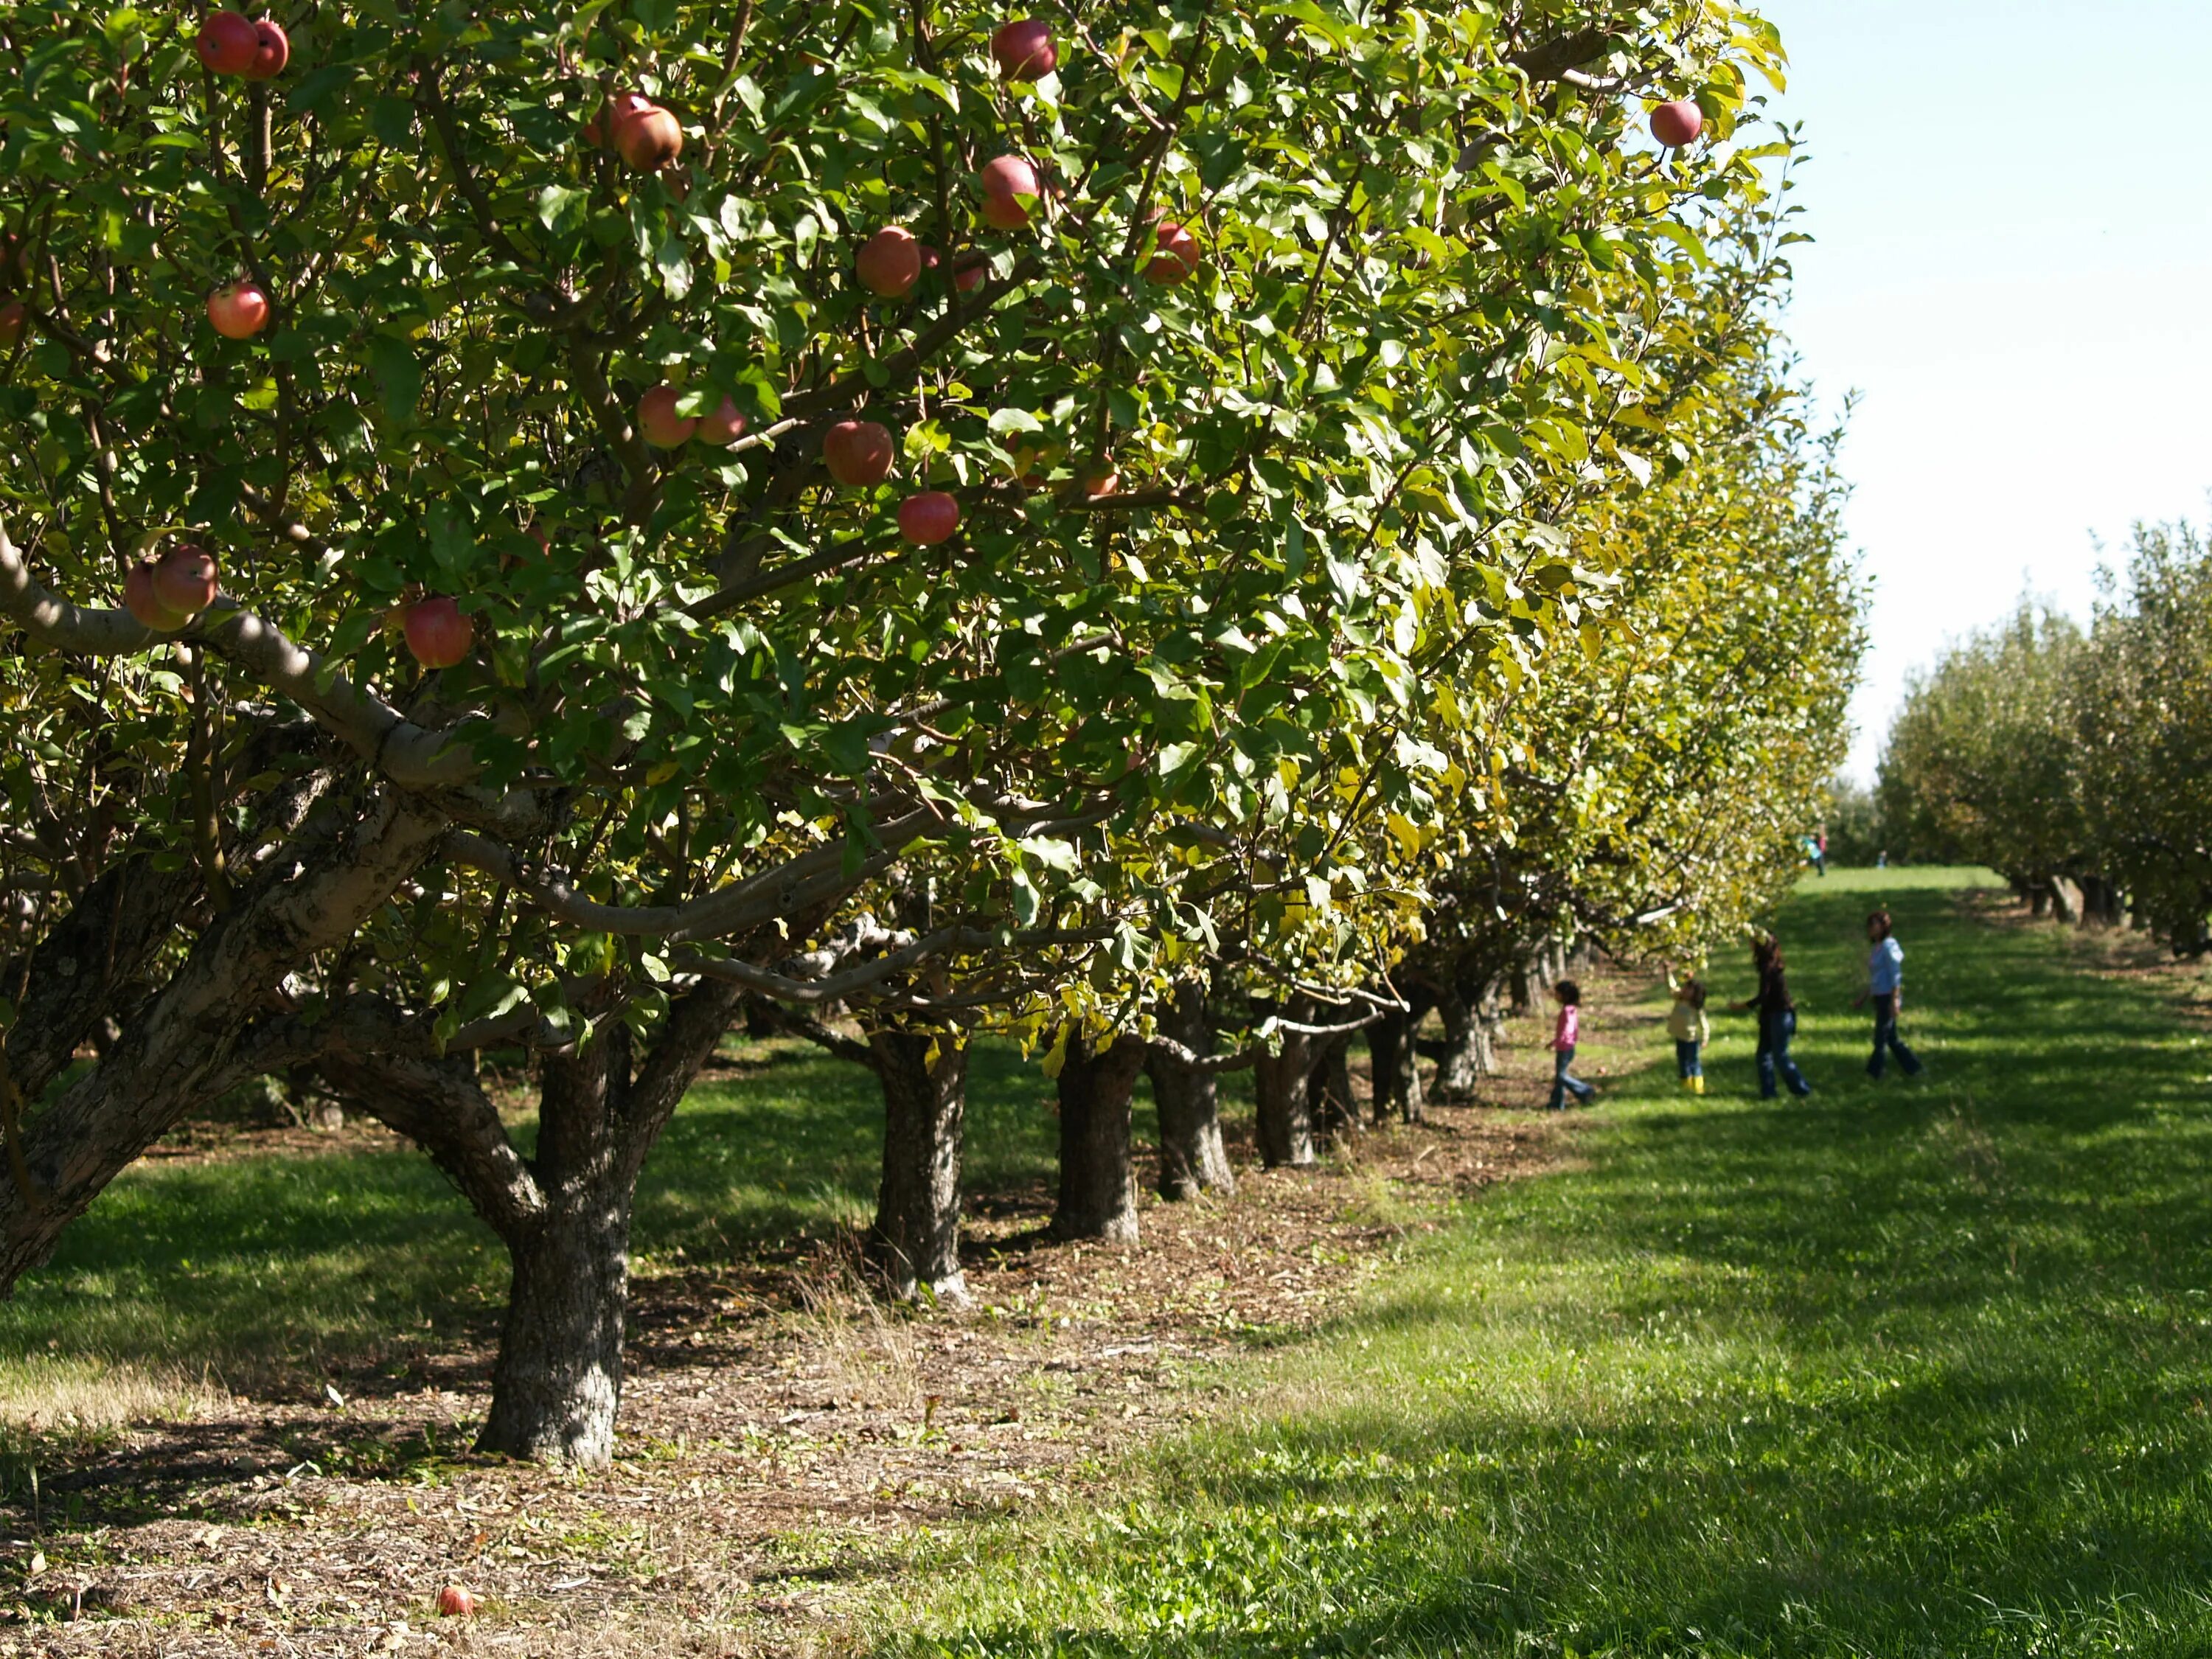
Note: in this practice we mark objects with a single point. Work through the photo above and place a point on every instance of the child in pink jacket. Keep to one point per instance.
(1564, 1081)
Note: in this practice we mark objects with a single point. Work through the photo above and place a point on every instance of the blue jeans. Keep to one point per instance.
(1886, 1040)
(1775, 1031)
(1686, 1060)
(1565, 1083)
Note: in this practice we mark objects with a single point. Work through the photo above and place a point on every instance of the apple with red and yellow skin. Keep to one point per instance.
(272, 50)
(889, 262)
(238, 312)
(455, 1602)
(1023, 50)
(648, 138)
(858, 453)
(971, 276)
(1097, 483)
(929, 517)
(185, 580)
(139, 599)
(1005, 180)
(437, 633)
(660, 423)
(14, 319)
(1176, 259)
(722, 427)
(1678, 124)
(228, 43)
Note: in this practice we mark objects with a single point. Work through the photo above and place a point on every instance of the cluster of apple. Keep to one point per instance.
(167, 592)
(229, 44)
(646, 136)
(663, 428)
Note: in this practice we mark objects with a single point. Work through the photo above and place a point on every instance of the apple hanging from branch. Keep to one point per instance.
(1176, 259)
(1006, 181)
(929, 517)
(1678, 124)
(228, 43)
(722, 427)
(138, 598)
(1023, 50)
(657, 419)
(648, 138)
(858, 454)
(272, 50)
(185, 580)
(437, 633)
(238, 312)
(889, 262)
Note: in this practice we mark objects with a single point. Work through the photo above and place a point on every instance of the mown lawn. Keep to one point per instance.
(1906, 1370)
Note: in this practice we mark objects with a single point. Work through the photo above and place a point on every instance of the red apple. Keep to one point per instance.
(184, 580)
(929, 517)
(663, 428)
(228, 44)
(648, 138)
(857, 452)
(13, 319)
(721, 429)
(271, 51)
(1099, 482)
(1005, 181)
(1176, 260)
(238, 312)
(1024, 50)
(610, 116)
(437, 633)
(890, 262)
(455, 1602)
(930, 257)
(971, 276)
(139, 601)
(1677, 124)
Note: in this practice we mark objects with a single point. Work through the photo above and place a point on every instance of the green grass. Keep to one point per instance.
(1906, 1369)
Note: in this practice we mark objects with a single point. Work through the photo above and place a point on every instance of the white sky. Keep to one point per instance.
(2012, 203)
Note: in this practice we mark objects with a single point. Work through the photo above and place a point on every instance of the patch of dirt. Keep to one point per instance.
(780, 1429)
(2109, 952)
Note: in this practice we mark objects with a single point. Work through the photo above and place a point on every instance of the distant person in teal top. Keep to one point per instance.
(1885, 990)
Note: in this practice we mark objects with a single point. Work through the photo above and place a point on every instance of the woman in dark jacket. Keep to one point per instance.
(1778, 1020)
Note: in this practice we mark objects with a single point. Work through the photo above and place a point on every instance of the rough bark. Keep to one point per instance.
(179, 1048)
(1193, 1160)
(1097, 1177)
(1334, 1114)
(1464, 1054)
(916, 1237)
(1396, 1066)
(1283, 1107)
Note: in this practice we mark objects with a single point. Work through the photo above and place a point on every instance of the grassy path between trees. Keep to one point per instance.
(1913, 1369)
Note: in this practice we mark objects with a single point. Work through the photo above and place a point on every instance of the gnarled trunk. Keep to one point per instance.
(1329, 1092)
(1395, 1065)
(1098, 1178)
(1284, 1114)
(556, 1384)
(916, 1237)
(1193, 1160)
(1464, 1054)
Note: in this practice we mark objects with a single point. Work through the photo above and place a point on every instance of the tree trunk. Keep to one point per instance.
(1098, 1178)
(2066, 900)
(1396, 1066)
(1466, 1053)
(1329, 1093)
(916, 1238)
(2039, 900)
(556, 1384)
(1193, 1160)
(1284, 1116)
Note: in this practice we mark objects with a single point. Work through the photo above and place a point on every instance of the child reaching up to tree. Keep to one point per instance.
(1687, 1025)
(1564, 1038)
